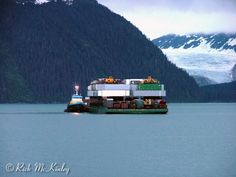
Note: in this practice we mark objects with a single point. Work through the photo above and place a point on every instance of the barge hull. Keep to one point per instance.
(104, 110)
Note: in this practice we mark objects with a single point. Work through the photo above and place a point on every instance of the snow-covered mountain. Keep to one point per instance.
(208, 56)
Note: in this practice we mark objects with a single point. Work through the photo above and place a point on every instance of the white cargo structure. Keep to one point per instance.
(96, 87)
(109, 93)
(128, 89)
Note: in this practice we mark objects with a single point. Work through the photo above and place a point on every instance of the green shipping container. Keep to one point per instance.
(149, 87)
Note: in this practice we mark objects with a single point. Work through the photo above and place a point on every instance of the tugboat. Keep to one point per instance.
(76, 104)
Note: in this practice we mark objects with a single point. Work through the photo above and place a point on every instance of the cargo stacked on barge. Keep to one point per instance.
(115, 96)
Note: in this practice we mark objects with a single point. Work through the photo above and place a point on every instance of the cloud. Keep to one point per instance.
(187, 5)
(158, 17)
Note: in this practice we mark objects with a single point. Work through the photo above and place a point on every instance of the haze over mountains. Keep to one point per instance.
(210, 58)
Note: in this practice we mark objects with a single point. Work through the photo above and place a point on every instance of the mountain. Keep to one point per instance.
(47, 47)
(225, 92)
(207, 55)
(218, 41)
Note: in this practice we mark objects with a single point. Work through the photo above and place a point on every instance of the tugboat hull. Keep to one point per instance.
(75, 108)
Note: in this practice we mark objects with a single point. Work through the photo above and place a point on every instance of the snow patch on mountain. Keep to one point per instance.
(69, 2)
(232, 42)
(41, 1)
(213, 64)
(211, 56)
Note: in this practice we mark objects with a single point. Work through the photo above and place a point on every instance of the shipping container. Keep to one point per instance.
(147, 93)
(116, 105)
(124, 105)
(149, 87)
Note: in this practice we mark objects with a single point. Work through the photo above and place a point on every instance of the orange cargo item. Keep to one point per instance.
(109, 80)
(149, 80)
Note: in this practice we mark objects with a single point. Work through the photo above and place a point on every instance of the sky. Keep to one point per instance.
(159, 17)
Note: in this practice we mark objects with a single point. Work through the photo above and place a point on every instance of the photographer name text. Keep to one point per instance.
(37, 167)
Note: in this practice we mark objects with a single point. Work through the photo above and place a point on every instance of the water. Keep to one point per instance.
(192, 140)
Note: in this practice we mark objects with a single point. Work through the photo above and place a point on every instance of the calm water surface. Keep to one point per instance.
(192, 140)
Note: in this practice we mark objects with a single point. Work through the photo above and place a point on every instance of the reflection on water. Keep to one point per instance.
(75, 114)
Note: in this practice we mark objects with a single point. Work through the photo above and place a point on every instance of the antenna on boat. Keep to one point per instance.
(76, 89)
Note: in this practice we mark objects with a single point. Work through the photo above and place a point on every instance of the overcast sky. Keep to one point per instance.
(158, 17)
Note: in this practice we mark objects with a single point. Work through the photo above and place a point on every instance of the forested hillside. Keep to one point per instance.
(46, 48)
(220, 92)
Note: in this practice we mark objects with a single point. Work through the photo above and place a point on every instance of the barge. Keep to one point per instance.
(127, 96)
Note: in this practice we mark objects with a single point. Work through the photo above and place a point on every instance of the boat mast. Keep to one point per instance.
(76, 89)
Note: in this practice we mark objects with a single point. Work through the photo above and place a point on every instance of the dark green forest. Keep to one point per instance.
(225, 92)
(45, 49)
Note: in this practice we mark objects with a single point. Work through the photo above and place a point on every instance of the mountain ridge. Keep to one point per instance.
(225, 92)
(220, 41)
